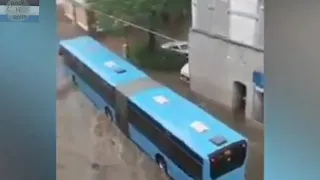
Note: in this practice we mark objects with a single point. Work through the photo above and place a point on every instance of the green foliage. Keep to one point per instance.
(160, 60)
(146, 13)
(110, 27)
(175, 7)
(138, 11)
(126, 9)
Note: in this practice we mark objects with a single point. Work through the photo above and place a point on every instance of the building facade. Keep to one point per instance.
(226, 53)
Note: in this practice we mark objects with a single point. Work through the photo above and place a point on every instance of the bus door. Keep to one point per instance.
(121, 112)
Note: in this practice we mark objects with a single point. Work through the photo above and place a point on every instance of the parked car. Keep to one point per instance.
(180, 47)
(184, 73)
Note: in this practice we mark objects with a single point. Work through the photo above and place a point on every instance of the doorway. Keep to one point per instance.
(239, 98)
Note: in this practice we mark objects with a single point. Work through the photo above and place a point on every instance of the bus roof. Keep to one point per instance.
(178, 115)
(110, 66)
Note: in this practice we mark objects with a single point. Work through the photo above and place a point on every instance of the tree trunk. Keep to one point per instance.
(165, 17)
(152, 37)
(91, 22)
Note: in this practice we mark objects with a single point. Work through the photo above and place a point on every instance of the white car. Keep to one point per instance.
(180, 47)
(184, 73)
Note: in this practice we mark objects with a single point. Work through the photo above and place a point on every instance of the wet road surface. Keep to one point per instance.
(78, 144)
(85, 136)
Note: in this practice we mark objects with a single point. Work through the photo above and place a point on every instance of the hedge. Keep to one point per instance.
(160, 59)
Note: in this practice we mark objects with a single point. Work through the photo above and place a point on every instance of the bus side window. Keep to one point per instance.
(132, 114)
(167, 143)
(68, 59)
(105, 90)
(108, 92)
(60, 50)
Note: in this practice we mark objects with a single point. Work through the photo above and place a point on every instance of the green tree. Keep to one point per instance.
(91, 22)
(175, 8)
(133, 11)
(144, 12)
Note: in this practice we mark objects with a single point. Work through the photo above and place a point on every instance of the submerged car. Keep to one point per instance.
(184, 73)
(180, 47)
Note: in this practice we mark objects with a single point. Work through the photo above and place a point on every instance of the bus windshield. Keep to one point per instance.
(227, 159)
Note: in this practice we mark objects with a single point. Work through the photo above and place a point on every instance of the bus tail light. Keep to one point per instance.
(214, 162)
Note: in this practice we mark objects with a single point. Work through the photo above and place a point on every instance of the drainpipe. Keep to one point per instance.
(254, 103)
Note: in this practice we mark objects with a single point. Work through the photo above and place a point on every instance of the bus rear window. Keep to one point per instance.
(227, 159)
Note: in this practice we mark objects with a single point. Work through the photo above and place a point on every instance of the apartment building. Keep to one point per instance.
(226, 53)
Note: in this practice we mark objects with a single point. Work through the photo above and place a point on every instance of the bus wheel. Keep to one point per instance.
(162, 163)
(73, 78)
(108, 113)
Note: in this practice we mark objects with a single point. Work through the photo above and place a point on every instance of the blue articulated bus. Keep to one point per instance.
(184, 140)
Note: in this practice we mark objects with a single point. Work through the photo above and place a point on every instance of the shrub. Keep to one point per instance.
(110, 26)
(160, 59)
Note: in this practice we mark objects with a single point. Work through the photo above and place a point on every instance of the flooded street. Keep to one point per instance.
(249, 128)
(85, 136)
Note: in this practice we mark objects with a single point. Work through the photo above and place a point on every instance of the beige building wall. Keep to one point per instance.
(79, 13)
(81, 18)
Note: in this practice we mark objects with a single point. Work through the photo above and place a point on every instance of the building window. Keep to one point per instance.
(243, 14)
(244, 20)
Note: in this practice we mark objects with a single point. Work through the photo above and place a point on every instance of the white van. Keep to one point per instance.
(184, 73)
